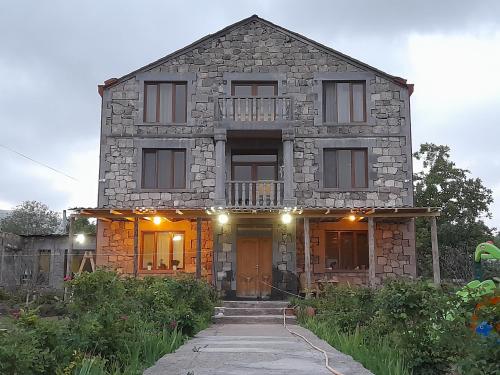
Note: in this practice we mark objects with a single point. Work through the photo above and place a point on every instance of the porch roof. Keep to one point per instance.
(190, 213)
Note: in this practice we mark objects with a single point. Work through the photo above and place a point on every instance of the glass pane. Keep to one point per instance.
(180, 103)
(344, 168)
(242, 173)
(242, 90)
(164, 169)
(179, 169)
(151, 92)
(358, 102)
(266, 90)
(149, 169)
(163, 251)
(343, 107)
(266, 172)
(166, 103)
(362, 251)
(329, 102)
(360, 168)
(148, 249)
(332, 258)
(255, 158)
(330, 168)
(178, 247)
(346, 250)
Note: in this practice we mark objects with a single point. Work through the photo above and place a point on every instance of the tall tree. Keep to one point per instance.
(464, 201)
(31, 217)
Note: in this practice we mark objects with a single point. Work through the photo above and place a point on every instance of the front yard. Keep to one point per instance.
(110, 326)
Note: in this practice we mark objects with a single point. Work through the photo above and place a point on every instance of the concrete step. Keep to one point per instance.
(229, 311)
(255, 304)
(253, 319)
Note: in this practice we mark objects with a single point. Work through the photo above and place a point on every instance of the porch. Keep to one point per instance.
(262, 253)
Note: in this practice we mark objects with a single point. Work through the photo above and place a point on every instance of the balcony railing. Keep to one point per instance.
(254, 109)
(254, 194)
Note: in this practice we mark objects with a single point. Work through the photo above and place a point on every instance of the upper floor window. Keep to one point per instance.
(345, 168)
(344, 102)
(165, 102)
(163, 168)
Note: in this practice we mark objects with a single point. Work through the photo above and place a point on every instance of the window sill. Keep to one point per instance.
(184, 190)
(165, 272)
(346, 190)
(162, 123)
(345, 271)
(344, 123)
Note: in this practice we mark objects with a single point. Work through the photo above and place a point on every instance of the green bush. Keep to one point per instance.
(114, 326)
(428, 326)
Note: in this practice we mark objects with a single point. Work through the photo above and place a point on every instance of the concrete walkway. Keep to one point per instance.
(251, 349)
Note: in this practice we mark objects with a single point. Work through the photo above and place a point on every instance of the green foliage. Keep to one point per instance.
(378, 355)
(83, 225)
(115, 326)
(410, 327)
(31, 217)
(464, 201)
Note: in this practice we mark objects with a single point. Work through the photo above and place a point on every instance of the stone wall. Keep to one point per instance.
(395, 249)
(115, 246)
(256, 48)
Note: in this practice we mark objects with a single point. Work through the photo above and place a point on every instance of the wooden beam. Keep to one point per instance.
(307, 257)
(136, 246)
(436, 271)
(198, 248)
(115, 212)
(372, 259)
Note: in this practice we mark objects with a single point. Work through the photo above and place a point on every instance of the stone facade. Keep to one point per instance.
(395, 249)
(116, 246)
(255, 49)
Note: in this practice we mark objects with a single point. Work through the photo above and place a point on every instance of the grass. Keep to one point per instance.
(376, 355)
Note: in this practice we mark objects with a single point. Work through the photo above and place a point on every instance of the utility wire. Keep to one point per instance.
(38, 162)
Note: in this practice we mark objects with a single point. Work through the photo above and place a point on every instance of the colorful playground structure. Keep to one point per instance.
(483, 288)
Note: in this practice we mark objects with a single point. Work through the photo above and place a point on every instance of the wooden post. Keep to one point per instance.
(198, 248)
(435, 252)
(136, 246)
(71, 240)
(372, 259)
(307, 257)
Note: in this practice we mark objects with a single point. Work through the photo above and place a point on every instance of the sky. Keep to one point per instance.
(53, 54)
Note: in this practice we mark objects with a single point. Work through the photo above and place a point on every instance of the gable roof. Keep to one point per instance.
(397, 80)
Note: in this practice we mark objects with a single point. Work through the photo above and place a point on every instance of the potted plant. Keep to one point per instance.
(175, 264)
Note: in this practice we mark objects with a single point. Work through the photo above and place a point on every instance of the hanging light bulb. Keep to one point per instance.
(157, 220)
(223, 218)
(286, 218)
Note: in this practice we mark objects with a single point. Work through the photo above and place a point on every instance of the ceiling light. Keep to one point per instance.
(352, 217)
(223, 218)
(286, 218)
(157, 220)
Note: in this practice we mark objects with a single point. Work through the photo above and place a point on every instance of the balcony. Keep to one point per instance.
(254, 109)
(255, 194)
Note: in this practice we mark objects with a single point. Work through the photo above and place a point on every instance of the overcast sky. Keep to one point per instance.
(54, 53)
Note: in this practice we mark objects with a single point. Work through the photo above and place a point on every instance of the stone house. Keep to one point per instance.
(260, 160)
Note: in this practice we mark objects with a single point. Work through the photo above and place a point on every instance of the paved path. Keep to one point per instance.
(251, 349)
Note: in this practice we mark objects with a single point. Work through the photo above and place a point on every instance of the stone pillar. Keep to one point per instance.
(220, 138)
(288, 137)
(136, 246)
(198, 248)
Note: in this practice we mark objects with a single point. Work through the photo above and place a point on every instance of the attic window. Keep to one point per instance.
(344, 101)
(165, 102)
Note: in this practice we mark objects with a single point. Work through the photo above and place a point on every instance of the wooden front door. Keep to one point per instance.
(254, 262)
